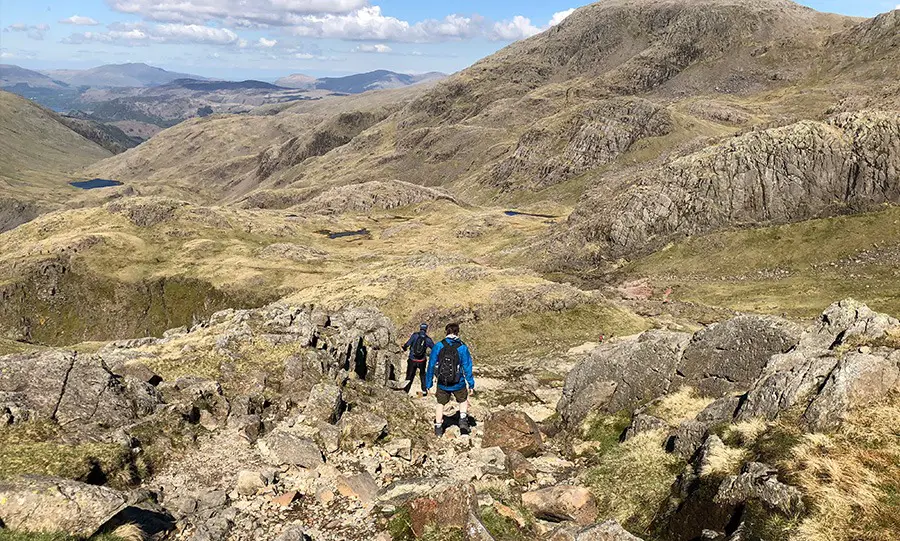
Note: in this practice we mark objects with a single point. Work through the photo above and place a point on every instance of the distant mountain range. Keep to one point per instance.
(358, 83)
(119, 75)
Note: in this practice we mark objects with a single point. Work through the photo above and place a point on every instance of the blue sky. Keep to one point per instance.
(269, 38)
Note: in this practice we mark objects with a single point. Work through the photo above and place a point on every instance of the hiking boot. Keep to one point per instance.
(420, 394)
(439, 431)
(464, 426)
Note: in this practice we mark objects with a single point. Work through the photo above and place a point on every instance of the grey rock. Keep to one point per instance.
(286, 447)
(729, 356)
(328, 437)
(491, 459)
(847, 320)
(857, 380)
(400, 448)
(249, 482)
(621, 375)
(293, 533)
(324, 403)
(642, 422)
(213, 499)
(40, 504)
(760, 482)
(359, 429)
(720, 411)
(610, 530)
(562, 503)
(688, 438)
(360, 486)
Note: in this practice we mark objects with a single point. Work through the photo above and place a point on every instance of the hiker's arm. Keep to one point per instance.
(432, 360)
(429, 343)
(408, 343)
(467, 368)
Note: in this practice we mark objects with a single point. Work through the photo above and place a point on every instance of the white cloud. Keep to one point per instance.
(370, 24)
(267, 43)
(78, 20)
(560, 16)
(34, 31)
(376, 48)
(5, 54)
(237, 12)
(131, 34)
(518, 28)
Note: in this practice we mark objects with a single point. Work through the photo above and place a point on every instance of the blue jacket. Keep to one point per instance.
(465, 361)
(429, 344)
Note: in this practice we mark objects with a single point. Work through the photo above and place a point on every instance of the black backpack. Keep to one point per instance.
(449, 368)
(420, 346)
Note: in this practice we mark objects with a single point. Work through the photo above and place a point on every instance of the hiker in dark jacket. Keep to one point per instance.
(451, 363)
(419, 344)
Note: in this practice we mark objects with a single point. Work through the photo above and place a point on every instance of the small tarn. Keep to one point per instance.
(341, 234)
(95, 183)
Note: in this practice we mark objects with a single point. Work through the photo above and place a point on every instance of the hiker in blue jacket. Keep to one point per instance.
(419, 344)
(451, 363)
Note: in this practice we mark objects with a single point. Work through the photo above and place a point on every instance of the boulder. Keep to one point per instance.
(562, 503)
(623, 374)
(324, 403)
(688, 438)
(512, 431)
(360, 429)
(451, 507)
(360, 486)
(519, 468)
(293, 533)
(760, 482)
(249, 483)
(400, 492)
(283, 446)
(400, 448)
(729, 356)
(328, 437)
(857, 380)
(491, 459)
(48, 504)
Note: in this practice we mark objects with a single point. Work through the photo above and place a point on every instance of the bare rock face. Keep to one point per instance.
(622, 374)
(47, 504)
(728, 356)
(845, 321)
(512, 430)
(562, 503)
(782, 175)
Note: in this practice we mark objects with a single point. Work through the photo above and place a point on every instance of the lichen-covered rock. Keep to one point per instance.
(786, 381)
(512, 431)
(361, 428)
(324, 403)
(283, 446)
(846, 321)
(451, 507)
(562, 503)
(610, 530)
(642, 422)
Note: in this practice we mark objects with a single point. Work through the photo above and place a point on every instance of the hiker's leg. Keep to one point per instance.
(462, 398)
(410, 375)
(422, 377)
(439, 414)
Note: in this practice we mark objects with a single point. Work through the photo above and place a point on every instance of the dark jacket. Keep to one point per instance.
(465, 361)
(429, 345)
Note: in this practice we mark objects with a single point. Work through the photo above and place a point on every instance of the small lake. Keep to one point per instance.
(517, 213)
(95, 183)
(341, 234)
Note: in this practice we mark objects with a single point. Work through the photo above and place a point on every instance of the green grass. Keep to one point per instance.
(797, 269)
(605, 430)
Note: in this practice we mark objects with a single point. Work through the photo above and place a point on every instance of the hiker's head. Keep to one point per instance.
(452, 328)
(423, 327)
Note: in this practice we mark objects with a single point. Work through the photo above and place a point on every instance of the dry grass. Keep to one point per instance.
(129, 532)
(633, 479)
(852, 479)
(722, 460)
(746, 433)
(682, 405)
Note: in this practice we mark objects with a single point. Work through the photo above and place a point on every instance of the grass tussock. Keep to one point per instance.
(682, 405)
(10, 535)
(632, 480)
(605, 430)
(723, 460)
(852, 478)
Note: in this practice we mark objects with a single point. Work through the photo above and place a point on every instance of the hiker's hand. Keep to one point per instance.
(472, 392)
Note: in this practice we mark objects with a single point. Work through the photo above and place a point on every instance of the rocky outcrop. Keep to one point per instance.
(610, 530)
(802, 171)
(760, 482)
(595, 134)
(371, 196)
(773, 362)
(14, 213)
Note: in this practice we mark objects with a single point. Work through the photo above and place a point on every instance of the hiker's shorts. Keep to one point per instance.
(443, 397)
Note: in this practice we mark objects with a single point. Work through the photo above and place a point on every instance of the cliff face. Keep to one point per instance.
(850, 163)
